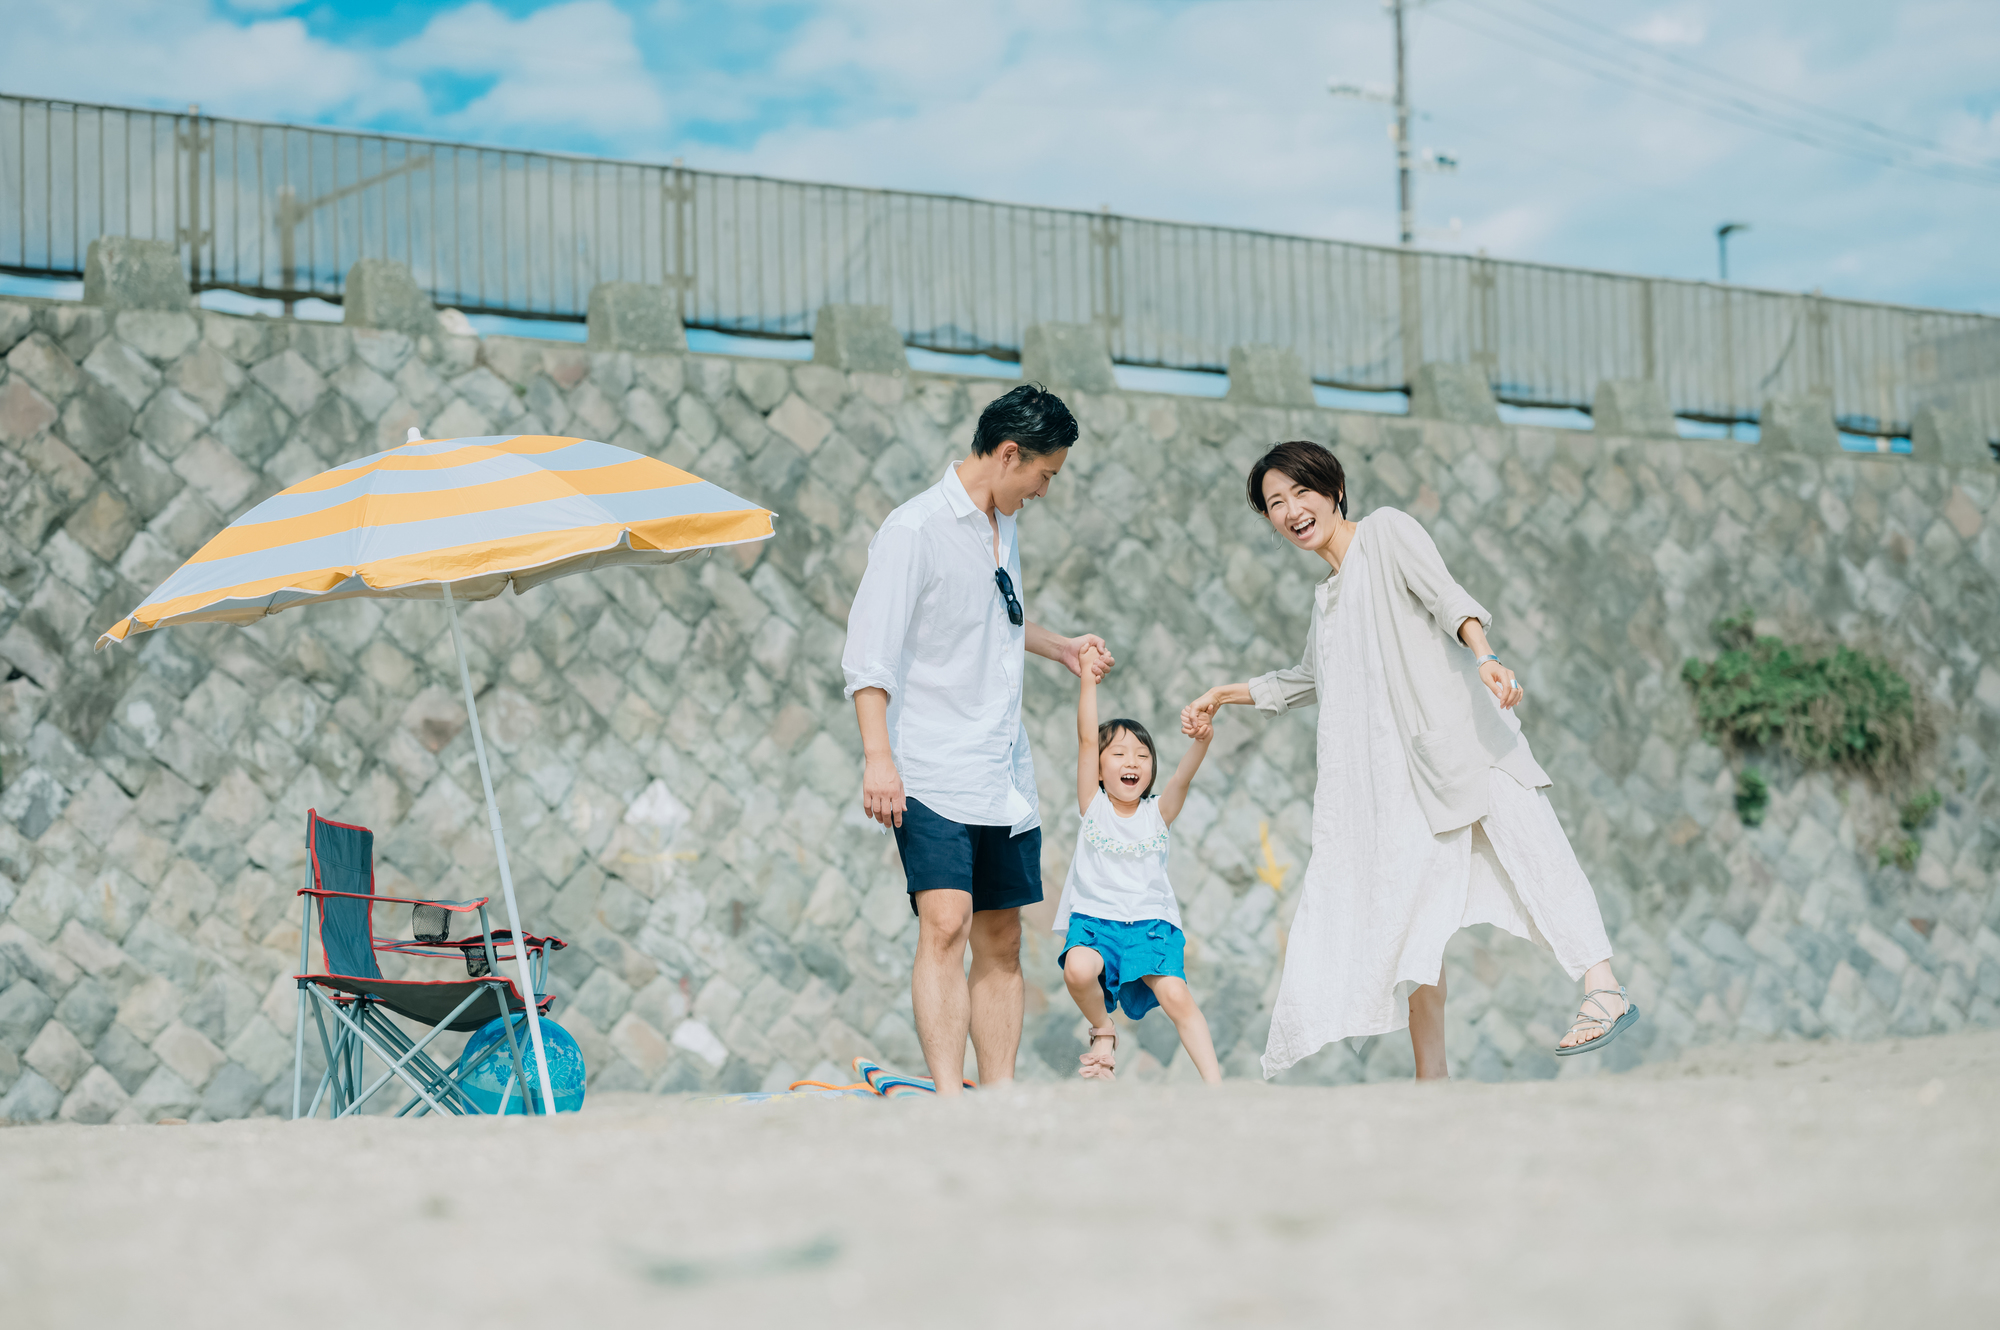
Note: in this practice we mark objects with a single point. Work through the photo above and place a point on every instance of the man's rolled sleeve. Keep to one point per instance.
(879, 620)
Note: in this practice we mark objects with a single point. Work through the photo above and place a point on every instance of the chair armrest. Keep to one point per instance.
(456, 907)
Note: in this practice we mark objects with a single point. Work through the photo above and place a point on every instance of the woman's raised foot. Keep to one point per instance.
(1595, 1017)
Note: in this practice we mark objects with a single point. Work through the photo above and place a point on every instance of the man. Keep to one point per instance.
(935, 653)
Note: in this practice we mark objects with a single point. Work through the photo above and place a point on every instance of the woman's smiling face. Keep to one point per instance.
(1303, 516)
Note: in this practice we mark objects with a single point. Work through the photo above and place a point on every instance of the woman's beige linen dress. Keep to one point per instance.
(1429, 814)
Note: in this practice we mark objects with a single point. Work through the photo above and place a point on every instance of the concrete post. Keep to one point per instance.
(381, 293)
(1941, 434)
(1802, 424)
(1268, 376)
(1067, 357)
(1635, 407)
(858, 337)
(633, 316)
(1454, 392)
(122, 273)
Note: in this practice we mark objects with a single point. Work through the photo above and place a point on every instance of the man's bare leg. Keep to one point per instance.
(937, 984)
(1427, 1030)
(998, 995)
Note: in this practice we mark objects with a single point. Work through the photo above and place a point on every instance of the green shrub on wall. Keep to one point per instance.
(1837, 708)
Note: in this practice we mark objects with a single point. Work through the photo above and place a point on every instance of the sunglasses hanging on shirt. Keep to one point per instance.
(1015, 615)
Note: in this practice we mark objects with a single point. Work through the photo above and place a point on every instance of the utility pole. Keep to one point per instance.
(1406, 202)
(1399, 129)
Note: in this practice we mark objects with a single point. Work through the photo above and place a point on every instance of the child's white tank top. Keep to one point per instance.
(1119, 870)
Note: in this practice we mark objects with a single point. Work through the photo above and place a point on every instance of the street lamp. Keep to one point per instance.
(1722, 234)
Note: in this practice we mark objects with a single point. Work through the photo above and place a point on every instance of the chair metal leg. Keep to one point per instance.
(440, 1082)
(395, 1068)
(325, 1079)
(506, 1017)
(299, 1025)
(514, 1050)
(368, 1041)
(335, 1055)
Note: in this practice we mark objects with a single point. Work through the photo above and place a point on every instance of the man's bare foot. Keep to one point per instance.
(1599, 1011)
(1099, 1063)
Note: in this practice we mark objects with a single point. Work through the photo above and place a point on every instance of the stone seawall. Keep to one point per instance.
(680, 774)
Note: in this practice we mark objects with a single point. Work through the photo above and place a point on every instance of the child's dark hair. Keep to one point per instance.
(1109, 729)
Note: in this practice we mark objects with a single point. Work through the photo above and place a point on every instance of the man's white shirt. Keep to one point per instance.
(930, 628)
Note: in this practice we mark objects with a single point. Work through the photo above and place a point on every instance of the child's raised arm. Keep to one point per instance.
(1086, 729)
(1176, 792)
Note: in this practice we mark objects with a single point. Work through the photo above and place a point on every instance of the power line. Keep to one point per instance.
(1727, 107)
(1840, 117)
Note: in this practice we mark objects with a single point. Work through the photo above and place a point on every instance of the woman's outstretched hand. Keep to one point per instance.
(1198, 716)
(1501, 682)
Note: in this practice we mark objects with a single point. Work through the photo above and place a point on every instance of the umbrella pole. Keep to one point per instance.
(500, 851)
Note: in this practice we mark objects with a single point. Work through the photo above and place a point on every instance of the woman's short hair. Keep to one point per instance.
(1308, 464)
(1109, 731)
(1031, 416)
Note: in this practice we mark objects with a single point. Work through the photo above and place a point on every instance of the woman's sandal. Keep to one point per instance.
(1100, 1066)
(1609, 1026)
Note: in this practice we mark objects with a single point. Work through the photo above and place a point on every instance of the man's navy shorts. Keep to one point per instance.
(1000, 870)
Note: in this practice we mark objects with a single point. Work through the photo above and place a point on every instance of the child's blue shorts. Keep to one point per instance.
(1131, 951)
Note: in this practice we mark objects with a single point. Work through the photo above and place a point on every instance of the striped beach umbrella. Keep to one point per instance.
(454, 519)
(471, 515)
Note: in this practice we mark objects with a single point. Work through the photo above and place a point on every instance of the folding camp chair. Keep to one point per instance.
(353, 995)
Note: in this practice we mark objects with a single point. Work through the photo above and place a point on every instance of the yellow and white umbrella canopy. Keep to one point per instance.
(472, 514)
(458, 519)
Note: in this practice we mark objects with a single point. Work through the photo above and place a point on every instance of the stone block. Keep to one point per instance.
(58, 1056)
(32, 1099)
(1459, 393)
(383, 294)
(24, 413)
(1635, 407)
(160, 335)
(188, 1053)
(858, 337)
(1801, 424)
(1068, 357)
(16, 319)
(120, 272)
(1261, 375)
(634, 316)
(96, 1099)
(1944, 434)
(121, 1053)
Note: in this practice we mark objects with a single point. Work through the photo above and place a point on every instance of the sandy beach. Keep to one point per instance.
(1811, 1184)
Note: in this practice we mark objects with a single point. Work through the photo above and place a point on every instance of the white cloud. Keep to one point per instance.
(574, 65)
(126, 51)
(1670, 29)
(1207, 110)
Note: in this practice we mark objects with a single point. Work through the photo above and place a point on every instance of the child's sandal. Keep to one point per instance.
(1100, 1066)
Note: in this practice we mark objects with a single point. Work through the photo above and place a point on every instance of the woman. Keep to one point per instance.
(1429, 813)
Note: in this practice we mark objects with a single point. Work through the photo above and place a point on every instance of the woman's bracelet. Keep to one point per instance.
(1483, 659)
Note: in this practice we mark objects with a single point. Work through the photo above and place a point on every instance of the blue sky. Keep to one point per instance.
(1201, 110)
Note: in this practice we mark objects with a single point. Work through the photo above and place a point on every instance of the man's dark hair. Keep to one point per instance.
(1308, 464)
(1031, 416)
(1108, 731)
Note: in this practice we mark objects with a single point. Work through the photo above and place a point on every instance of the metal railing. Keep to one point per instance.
(281, 211)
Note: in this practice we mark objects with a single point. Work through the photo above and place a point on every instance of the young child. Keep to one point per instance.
(1122, 939)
